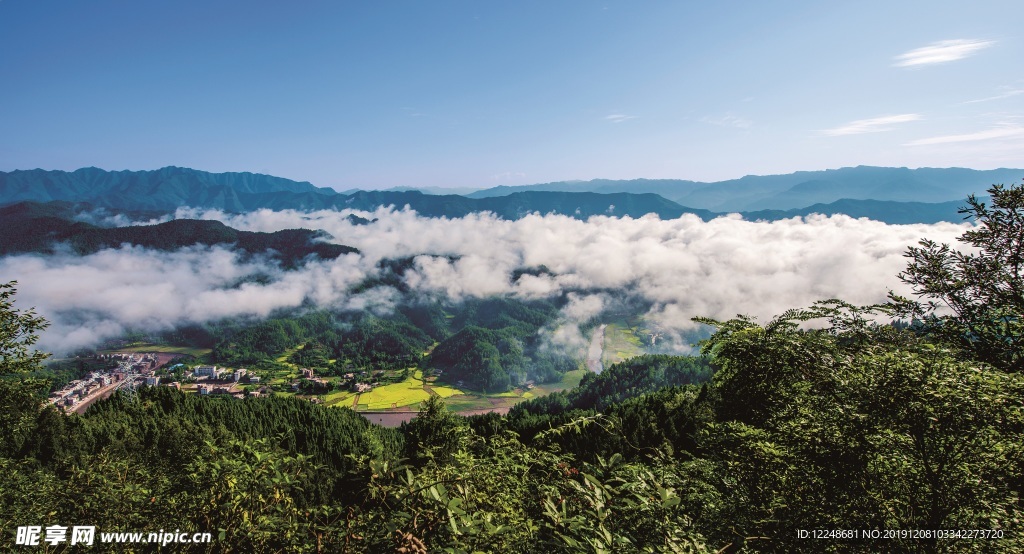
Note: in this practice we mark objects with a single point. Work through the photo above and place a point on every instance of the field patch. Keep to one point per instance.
(409, 393)
(396, 395)
(445, 392)
(339, 398)
(622, 340)
(570, 380)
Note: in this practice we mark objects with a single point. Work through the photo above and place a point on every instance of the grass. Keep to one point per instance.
(621, 342)
(477, 401)
(569, 380)
(480, 401)
(283, 358)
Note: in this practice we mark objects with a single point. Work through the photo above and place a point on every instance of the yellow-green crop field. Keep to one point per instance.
(396, 395)
(340, 398)
(621, 342)
(445, 391)
(410, 393)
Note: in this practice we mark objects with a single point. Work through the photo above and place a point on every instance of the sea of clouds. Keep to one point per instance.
(681, 268)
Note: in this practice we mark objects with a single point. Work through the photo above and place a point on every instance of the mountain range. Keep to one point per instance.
(893, 195)
(796, 190)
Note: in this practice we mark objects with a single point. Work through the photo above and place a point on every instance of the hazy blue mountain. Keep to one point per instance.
(663, 187)
(462, 191)
(797, 190)
(898, 213)
(162, 189)
(875, 192)
(169, 188)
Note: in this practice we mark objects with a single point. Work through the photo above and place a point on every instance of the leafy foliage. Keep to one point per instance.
(19, 393)
(983, 288)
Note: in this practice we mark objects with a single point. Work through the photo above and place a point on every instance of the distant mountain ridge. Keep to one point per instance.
(172, 187)
(797, 190)
(894, 213)
(893, 195)
(161, 189)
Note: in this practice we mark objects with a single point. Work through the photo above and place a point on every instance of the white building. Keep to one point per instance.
(211, 371)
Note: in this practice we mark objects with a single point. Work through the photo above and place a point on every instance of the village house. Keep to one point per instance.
(210, 371)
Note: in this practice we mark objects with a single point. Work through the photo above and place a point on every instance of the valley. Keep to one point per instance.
(511, 277)
(651, 360)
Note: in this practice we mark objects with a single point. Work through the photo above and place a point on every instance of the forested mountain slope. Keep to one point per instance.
(30, 227)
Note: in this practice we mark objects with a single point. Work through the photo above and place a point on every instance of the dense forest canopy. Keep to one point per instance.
(856, 422)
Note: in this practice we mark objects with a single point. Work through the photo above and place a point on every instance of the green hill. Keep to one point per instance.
(32, 227)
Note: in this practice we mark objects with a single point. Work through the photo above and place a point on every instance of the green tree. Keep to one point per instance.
(18, 333)
(20, 396)
(435, 433)
(880, 429)
(983, 289)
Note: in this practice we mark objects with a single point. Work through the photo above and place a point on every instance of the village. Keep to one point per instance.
(138, 369)
(129, 371)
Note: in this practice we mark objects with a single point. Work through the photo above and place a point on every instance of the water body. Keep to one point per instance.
(596, 351)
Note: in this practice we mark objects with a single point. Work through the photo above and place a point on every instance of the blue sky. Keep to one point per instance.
(477, 94)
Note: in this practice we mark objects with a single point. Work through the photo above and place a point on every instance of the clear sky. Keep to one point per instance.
(476, 94)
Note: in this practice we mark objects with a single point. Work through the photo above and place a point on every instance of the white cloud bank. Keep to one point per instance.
(683, 268)
(942, 52)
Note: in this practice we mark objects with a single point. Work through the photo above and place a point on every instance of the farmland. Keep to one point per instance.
(623, 339)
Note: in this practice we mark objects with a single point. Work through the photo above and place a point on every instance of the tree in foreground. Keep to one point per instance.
(20, 395)
(974, 300)
(857, 425)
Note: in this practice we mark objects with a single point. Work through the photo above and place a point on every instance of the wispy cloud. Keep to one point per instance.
(873, 125)
(729, 120)
(618, 117)
(508, 176)
(1000, 132)
(1007, 92)
(941, 52)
